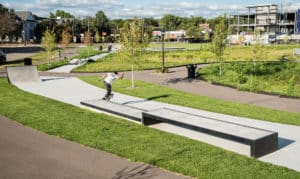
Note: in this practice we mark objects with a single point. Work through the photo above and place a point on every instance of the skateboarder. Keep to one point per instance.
(108, 80)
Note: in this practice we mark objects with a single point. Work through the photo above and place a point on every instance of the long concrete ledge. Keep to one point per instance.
(261, 141)
(115, 108)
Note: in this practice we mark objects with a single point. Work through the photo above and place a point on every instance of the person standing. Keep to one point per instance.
(108, 80)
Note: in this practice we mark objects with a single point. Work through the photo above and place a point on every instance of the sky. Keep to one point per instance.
(142, 8)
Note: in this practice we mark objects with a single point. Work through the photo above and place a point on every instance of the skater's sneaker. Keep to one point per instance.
(104, 98)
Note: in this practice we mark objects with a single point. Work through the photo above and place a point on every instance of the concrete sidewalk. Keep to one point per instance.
(73, 90)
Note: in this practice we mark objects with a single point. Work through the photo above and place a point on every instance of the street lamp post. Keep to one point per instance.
(163, 52)
(24, 32)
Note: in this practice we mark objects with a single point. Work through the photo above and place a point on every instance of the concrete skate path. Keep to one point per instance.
(73, 91)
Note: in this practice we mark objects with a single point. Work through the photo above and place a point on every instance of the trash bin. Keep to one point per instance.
(191, 68)
(27, 61)
(109, 48)
(100, 47)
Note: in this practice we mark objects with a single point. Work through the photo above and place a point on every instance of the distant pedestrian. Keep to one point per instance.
(108, 80)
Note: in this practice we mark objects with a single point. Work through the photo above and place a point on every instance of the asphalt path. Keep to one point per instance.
(29, 154)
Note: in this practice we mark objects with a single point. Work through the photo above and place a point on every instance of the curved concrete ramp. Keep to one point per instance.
(23, 74)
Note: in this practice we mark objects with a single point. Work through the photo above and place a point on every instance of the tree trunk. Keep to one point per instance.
(48, 56)
(132, 77)
(220, 67)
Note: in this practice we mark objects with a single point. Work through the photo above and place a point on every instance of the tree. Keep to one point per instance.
(8, 22)
(88, 40)
(101, 23)
(258, 49)
(97, 37)
(220, 41)
(206, 37)
(63, 14)
(193, 32)
(133, 42)
(48, 42)
(169, 22)
(66, 39)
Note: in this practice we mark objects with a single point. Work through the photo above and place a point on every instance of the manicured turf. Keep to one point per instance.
(130, 140)
(172, 96)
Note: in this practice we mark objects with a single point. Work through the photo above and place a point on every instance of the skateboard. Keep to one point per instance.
(109, 97)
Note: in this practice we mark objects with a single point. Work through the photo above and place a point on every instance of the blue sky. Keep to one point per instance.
(142, 8)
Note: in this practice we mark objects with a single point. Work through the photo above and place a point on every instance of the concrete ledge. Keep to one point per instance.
(115, 108)
(261, 141)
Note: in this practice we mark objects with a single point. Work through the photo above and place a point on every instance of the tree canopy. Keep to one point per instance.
(61, 14)
(8, 22)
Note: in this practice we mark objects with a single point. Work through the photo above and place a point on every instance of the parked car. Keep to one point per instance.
(2, 56)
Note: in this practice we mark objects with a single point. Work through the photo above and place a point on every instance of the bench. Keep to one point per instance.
(261, 141)
(115, 108)
(296, 51)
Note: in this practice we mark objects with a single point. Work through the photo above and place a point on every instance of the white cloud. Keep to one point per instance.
(118, 9)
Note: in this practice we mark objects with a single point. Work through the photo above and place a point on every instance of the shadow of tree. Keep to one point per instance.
(140, 172)
(179, 80)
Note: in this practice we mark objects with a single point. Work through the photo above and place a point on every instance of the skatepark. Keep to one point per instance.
(76, 92)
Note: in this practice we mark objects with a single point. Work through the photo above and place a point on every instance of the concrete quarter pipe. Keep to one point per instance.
(23, 74)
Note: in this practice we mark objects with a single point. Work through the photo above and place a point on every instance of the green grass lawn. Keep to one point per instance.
(130, 140)
(172, 96)
(153, 60)
(89, 51)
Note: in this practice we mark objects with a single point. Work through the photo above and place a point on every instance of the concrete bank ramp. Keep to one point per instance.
(23, 74)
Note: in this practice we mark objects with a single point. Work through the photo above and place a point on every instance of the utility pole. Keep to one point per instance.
(163, 52)
(89, 40)
(24, 32)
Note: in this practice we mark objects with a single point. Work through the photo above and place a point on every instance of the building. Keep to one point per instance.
(204, 28)
(29, 23)
(273, 21)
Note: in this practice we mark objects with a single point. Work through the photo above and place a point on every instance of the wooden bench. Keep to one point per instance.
(261, 141)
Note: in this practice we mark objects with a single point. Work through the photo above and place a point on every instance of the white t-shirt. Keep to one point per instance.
(110, 78)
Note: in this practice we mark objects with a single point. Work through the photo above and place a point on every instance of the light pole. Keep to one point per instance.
(24, 32)
(163, 51)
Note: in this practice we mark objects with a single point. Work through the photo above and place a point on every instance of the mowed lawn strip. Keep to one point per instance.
(172, 96)
(130, 140)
